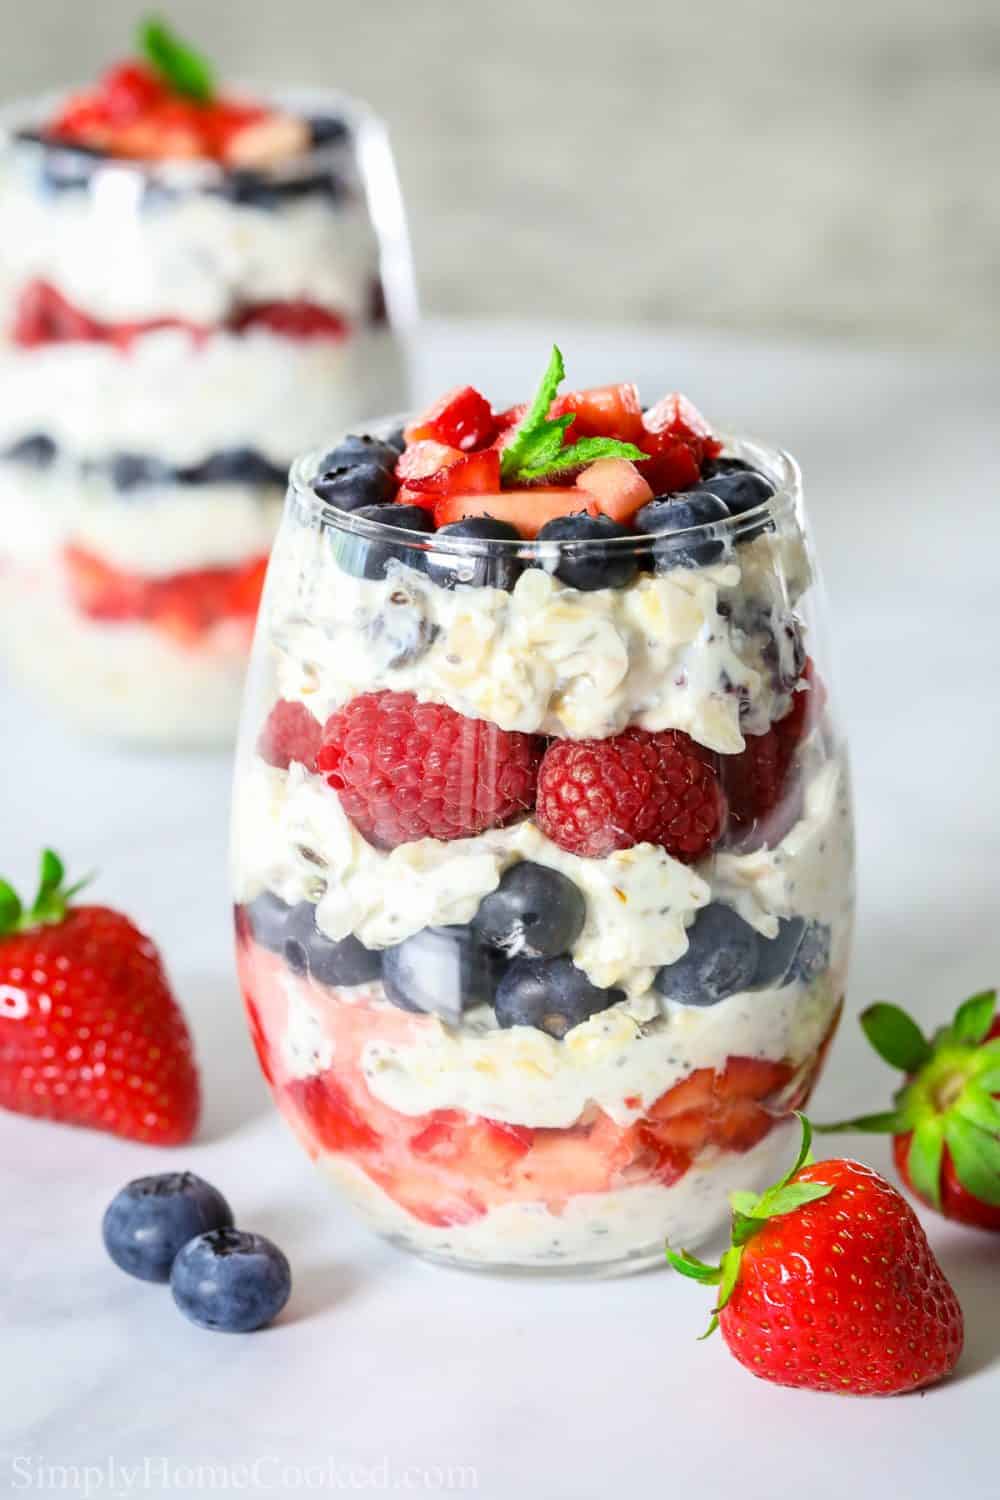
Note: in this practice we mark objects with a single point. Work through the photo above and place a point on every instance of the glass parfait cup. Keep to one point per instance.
(503, 1053)
(173, 333)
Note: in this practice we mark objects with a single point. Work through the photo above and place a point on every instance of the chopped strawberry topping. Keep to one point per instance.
(526, 510)
(462, 419)
(612, 411)
(617, 486)
(474, 474)
(184, 605)
(293, 320)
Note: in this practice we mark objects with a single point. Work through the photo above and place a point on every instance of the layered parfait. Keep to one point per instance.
(543, 849)
(192, 290)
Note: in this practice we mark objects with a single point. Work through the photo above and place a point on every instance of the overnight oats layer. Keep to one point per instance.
(543, 848)
(192, 290)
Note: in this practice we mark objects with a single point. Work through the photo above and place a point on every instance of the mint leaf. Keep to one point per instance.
(586, 451)
(536, 420)
(895, 1036)
(179, 65)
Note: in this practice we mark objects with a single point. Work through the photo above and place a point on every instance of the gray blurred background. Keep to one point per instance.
(791, 168)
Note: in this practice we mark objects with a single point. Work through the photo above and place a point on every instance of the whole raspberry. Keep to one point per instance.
(290, 733)
(406, 770)
(595, 796)
(757, 779)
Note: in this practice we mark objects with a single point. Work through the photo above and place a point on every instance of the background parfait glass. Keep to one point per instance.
(173, 333)
(564, 1091)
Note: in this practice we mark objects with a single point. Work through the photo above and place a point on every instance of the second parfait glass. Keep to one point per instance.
(514, 1036)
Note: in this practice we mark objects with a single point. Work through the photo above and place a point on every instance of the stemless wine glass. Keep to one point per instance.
(174, 332)
(513, 1035)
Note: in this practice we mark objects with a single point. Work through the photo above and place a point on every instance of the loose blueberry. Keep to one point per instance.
(534, 911)
(777, 955)
(499, 570)
(352, 486)
(670, 514)
(721, 960)
(550, 994)
(38, 450)
(152, 1218)
(361, 448)
(402, 630)
(236, 466)
(741, 490)
(813, 957)
(267, 916)
(307, 950)
(231, 1281)
(366, 558)
(444, 970)
(133, 471)
(591, 566)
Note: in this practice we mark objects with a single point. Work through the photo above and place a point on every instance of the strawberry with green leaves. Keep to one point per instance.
(90, 1033)
(830, 1284)
(945, 1119)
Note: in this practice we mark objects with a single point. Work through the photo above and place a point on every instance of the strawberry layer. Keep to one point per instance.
(186, 606)
(448, 1166)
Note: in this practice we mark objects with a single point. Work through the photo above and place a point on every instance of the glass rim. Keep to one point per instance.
(200, 172)
(776, 464)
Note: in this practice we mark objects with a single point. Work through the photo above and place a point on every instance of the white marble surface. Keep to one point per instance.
(545, 1391)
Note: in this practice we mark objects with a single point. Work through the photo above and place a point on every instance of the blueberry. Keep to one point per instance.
(813, 956)
(723, 465)
(231, 1281)
(534, 911)
(307, 950)
(367, 558)
(236, 466)
(777, 955)
(402, 630)
(741, 490)
(550, 994)
(721, 960)
(670, 514)
(591, 566)
(328, 130)
(350, 486)
(361, 448)
(500, 570)
(268, 916)
(150, 1220)
(255, 189)
(38, 450)
(444, 970)
(396, 440)
(133, 471)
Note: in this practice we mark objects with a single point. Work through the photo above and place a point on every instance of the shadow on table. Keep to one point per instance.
(233, 1091)
(971, 1264)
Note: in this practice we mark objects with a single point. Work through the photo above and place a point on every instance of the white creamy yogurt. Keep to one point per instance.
(543, 658)
(624, 1229)
(293, 838)
(182, 402)
(194, 256)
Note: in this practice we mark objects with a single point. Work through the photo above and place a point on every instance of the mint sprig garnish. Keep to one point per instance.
(51, 900)
(947, 1098)
(537, 449)
(179, 65)
(751, 1211)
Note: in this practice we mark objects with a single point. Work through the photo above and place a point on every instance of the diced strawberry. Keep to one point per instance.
(292, 320)
(128, 90)
(44, 316)
(674, 467)
(617, 486)
(511, 417)
(611, 411)
(474, 474)
(462, 418)
(326, 1111)
(99, 591)
(425, 457)
(677, 417)
(526, 510)
(244, 588)
(471, 1146)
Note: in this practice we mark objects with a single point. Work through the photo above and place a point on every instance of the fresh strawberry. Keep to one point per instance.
(473, 474)
(471, 1145)
(89, 1031)
(422, 459)
(291, 320)
(611, 411)
(595, 796)
(945, 1119)
(325, 1110)
(526, 510)
(290, 733)
(617, 486)
(830, 1284)
(678, 440)
(461, 419)
(184, 605)
(127, 90)
(406, 770)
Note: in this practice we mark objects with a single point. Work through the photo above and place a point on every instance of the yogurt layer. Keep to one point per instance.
(182, 402)
(123, 257)
(678, 651)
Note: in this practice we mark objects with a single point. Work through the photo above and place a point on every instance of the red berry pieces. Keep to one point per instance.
(292, 320)
(612, 411)
(595, 796)
(462, 419)
(290, 733)
(406, 770)
(756, 780)
(678, 440)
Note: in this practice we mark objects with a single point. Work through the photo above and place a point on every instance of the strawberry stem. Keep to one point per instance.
(51, 902)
